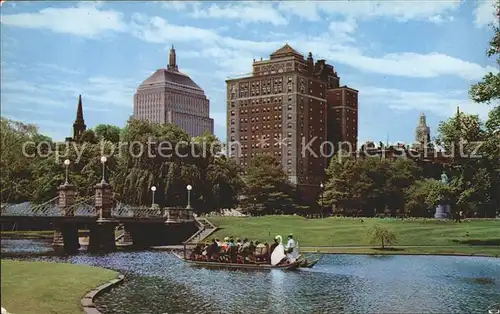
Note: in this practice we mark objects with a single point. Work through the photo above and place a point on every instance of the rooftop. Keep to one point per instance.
(162, 76)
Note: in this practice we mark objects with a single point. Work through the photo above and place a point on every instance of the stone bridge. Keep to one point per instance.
(109, 222)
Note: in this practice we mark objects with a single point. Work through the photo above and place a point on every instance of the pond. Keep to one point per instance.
(157, 282)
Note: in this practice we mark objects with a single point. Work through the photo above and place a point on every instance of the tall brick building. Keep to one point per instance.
(288, 107)
(170, 96)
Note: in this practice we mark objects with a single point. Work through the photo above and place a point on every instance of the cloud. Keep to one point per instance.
(99, 91)
(485, 13)
(401, 11)
(281, 13)
(303, 9)
(343, 31)
(247, 12)
(443, 104)
(178, 5)
(158, 30)
(85, 19)
(409, 64)
(234, 56)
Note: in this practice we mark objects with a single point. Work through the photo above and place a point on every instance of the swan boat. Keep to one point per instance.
(289, 266)
(296, 260)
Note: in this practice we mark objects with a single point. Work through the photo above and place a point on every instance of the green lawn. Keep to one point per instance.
(335, 231)
(41, 287)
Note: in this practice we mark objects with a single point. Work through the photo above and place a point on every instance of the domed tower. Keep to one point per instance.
(170, 96)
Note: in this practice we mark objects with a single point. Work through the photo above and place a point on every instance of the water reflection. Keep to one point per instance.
(157, 282)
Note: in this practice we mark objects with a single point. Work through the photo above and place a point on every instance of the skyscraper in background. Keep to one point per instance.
(289, 103)
(170, 96)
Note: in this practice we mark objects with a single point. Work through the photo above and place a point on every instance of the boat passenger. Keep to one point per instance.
(290, 245)
(260, 252)
(225, 243)
(231, 243)
(238, 243)
(244, 251)
(245, 245)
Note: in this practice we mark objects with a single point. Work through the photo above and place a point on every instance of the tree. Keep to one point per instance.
(89, 136)
(424, 195)
(267, 189)
(19, 142)
(475, 155)
(153, 157)
(107, 132)
(226, 183)
(382, 235)
(488, 89)
(338, 190)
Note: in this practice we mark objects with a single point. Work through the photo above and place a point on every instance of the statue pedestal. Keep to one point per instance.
(442, 211)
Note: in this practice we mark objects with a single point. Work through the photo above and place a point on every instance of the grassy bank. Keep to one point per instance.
(41, 287)
(431, 236)
(417, 250)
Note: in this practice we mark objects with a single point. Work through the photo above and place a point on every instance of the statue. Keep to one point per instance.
(444, 178)
(443, 209)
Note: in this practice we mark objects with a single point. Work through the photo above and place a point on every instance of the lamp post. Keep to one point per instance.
(153, 189)
(189, 188)
(66, 164)
(103, 161)
(321, 187)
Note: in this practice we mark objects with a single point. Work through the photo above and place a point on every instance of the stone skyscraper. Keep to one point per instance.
(170, 96)
(286, 103)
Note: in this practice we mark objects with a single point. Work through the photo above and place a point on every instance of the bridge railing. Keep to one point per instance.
(175, 214)
(85, 207)
(48, 208)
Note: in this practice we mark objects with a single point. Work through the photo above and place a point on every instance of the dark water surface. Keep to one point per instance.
(157, 282)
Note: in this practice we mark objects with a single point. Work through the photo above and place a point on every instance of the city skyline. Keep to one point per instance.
(394, 55)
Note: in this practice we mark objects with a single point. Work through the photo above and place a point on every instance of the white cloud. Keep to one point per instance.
(303, 9)
(485, 14)
(234, 56)
(399, 10)
(343, 31)
(438, 19)
(281, 13)
(158, 30)
(246, 12)
(443, 104)
(86, 20)
(178, 5)
(409, 64)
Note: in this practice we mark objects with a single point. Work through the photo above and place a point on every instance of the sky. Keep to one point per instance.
(404, 57)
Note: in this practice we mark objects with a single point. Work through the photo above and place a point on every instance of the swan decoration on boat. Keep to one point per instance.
(278, 253)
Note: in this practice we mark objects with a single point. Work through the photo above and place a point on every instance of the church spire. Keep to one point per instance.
(172, 64)
(79, 125)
